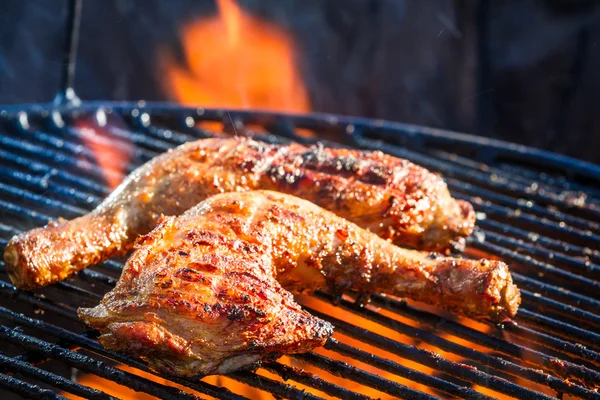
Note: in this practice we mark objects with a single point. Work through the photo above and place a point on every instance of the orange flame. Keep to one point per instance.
(236, 60)
(112, 155)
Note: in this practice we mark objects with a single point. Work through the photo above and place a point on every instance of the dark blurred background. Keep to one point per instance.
(525, 71)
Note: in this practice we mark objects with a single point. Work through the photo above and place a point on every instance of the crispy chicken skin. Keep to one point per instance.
(206, 292)
(390, 197)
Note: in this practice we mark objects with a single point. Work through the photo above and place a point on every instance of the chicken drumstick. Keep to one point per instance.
(390, 197)
(206, 292)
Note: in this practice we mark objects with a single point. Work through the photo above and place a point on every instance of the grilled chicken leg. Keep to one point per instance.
(205, 292)
(390, 197)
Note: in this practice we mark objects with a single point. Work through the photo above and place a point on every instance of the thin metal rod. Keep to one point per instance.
(532, 356)
(552, 342)
(9, 363)
(67, 95)
(52, 156)
(312, 380)
(400, 370)
(495, 362)
(585, 285)
(88, 364)
(535, 238)
(277, 388)
(476, 193)
(87, 343)
(51, 173)
(27, 389)
(577, 265)
(556, 292)
(559, 328)
(49, 187)
(432, 360)
(544, 304)
(513, 173)
(347, 371)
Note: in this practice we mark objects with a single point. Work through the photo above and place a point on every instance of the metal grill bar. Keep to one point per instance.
(555, 184)
(512, 349)
(47, 173)
(560, 346)
(345, 370)
(521, 175)
(43, 192)
(65, 194)
(554, 291)
(57, 158)
(13, 192)
(89, 364)
(13, 364)
(566, 330)
(94, 346)
(476, 195)
(311, 380)
(400, 370)
(574, 264)
(432, 360)
(277, 388)
(587, 284)
(548, 243)
(57, 125)
(549, 304)
(27, 389)
(446, 345)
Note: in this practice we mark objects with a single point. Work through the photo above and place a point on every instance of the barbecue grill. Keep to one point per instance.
(538, 211)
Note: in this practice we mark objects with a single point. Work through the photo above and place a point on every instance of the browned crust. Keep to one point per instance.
(207, 292)
(390, 197)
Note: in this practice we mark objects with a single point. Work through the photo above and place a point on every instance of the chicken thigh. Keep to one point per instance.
(207, 292)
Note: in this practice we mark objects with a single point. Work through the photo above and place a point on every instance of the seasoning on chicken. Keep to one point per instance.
(390, 197)
(205, 292)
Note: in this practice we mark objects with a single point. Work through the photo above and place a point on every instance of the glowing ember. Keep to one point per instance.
(236, 60)
(125, 393)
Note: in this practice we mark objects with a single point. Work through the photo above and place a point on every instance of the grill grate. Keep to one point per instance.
(544, 224)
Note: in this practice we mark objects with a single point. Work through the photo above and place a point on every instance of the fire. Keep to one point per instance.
(236, 60)
(122, 392)
(112, 155)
